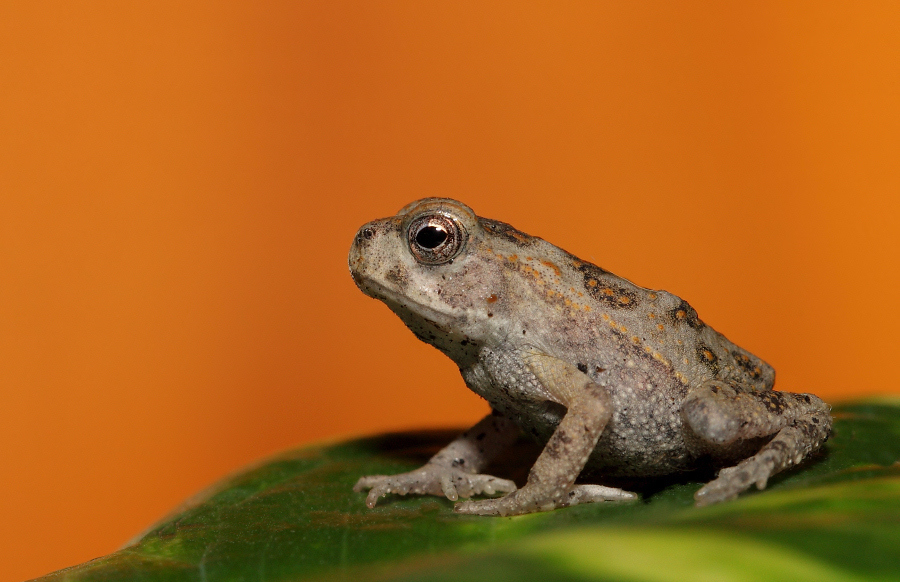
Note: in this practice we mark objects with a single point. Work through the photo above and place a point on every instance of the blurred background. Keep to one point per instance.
(180, 184)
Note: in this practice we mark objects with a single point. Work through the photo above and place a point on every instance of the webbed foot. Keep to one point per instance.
(432, 479)
(734, 480)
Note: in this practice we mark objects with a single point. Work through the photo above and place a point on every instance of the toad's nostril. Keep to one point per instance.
(367, 233)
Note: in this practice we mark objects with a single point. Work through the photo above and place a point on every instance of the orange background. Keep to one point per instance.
(180, 183)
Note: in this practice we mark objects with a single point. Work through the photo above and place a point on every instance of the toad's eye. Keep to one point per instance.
(435, 239)
(431, 236)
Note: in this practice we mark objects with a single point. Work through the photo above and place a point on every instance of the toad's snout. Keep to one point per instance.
(373, 252)
(356, 260)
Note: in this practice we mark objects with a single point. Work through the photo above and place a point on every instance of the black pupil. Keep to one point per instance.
(431, 237)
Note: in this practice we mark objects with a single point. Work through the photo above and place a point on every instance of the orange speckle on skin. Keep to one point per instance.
(623, 329)
(635, 339)
(592, 282)
(707, 355)
(660, 326)
(651, 295)
(513, 258)
(681, 378)
(607, 291)
(568, 302)
(680, 314)
(624, 300)
(651, 315)
(552, 266)
(492, 298)
(586, 307)
(606, 316)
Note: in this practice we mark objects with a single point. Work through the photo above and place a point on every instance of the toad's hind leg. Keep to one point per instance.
(722, 415)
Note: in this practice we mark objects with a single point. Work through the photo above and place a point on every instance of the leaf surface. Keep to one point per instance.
(295, 517)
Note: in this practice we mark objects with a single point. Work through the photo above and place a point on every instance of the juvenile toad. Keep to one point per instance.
(606, 375)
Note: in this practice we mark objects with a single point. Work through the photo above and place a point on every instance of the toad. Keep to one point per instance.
(607, 376)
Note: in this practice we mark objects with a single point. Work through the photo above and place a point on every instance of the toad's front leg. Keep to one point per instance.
(453, 471)
(551, 482)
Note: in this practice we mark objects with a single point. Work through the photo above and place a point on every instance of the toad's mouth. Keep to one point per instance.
(412, 312)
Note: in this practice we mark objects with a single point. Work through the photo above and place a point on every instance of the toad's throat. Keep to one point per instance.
(414, 314)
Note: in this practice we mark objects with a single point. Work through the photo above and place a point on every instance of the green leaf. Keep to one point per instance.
(293, 517)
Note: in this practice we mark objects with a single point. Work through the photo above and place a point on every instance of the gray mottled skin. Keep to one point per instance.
(609, 376)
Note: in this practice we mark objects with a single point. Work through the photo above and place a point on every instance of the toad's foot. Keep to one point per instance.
(524, 501)
(433, 479)
(733, 480)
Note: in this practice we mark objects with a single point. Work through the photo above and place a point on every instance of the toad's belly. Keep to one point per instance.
(645, 435)
(642, 438)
